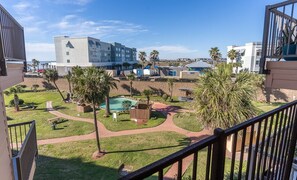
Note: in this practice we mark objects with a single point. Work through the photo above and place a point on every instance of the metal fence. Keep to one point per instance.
(280, 31)
(23, 144)
(260, 148)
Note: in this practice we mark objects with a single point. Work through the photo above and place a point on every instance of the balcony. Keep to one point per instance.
(279, 54)
(12, 50)
(23, 144)
(260, 148)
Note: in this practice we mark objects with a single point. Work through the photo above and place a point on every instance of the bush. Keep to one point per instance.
(11, 102)
(165, 97)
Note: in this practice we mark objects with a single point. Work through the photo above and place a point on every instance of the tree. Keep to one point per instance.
(35, 64)
(14, 91)
(109, 83)
(232, 54)
(131, 78)
(126, 65)
(68, 77)
(142, 57)
(215, 54)
(51, 75)
(154, 56)
(89, 86)
(35, 87)
(170, 83)
(222, 101)
(147, 93)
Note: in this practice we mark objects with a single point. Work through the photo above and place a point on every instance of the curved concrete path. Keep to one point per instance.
(168, 125)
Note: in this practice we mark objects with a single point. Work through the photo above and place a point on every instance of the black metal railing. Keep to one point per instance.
(280, 32)
(260, 148)
(23, 145)
(12, 41)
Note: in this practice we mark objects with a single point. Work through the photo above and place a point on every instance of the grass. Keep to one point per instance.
(41, 116)
(73, 160)
(265, 107)
(187, 121)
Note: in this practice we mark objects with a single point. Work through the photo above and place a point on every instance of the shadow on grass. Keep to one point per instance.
(183, 142)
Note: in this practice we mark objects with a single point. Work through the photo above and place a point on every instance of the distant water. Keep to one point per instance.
(40, 64)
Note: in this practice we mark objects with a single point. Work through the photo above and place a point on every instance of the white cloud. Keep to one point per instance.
(24, 7)
(40, 51)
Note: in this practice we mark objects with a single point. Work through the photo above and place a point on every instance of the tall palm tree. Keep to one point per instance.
(147, 93)
(142, 57)
(232, 54)
(215, 54)
(222, 101)
(89, 86)
(131, 77)
(109, 83)
(170, 83)
(68, 77)
(51, 75)
(154, 56)
(35, 64)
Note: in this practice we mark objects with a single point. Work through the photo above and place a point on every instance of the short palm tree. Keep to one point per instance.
(224, 102)
(51, 75)
(89, 87)
(131, 77)
(35, 64)
(154, 56)
(142, 57)
(215, 54)
(147, 93)
(109, 83)
(35, 87)
(232, 54)
(170, 83)
(14, 90)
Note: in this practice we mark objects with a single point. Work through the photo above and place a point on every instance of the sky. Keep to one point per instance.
(176, 28)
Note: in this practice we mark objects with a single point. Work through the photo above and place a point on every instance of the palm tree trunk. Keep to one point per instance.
(148, 100)
(59, 91)
(96, 128)
(107, 107)
(171, 94)
(69, 86)
(131, 88)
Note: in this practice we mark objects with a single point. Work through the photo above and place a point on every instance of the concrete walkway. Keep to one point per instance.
(168, 125)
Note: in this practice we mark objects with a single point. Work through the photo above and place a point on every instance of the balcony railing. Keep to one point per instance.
(260, 148)
(280, 31)
(12, 43)
(23, 145)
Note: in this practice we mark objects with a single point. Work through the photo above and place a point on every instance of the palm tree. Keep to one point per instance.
(131, 78)
(35, 64)
(170, 83)
(222, 101)
(154, 56)
(142, 57)
(35, 87)
(232, 54)
(147, 93)
(215, 54)
(89, 86)
(51, 75)
(109, 83)
(14, 91)
(68, 77)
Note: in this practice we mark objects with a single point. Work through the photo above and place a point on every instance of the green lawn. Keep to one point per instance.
(265, 107)
(187, 121)
(40, 115)
(73, 160)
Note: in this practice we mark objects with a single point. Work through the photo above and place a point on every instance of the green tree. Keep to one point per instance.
(154, 56)
(222, 101)
(215, 54)
(232, 54)
(142, 57)
(108, 84)
(89, 86)
(170, 83)
(147, 93)
(35, 64)
(14, 90)
(51, 75)
(131, 77)
(35, 87)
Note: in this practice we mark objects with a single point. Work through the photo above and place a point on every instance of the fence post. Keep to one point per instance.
(218, 156)
(292, 146)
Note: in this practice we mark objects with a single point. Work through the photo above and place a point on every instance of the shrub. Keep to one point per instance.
(165, 97)
(11, 102)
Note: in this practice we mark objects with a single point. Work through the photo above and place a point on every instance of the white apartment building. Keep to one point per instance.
(88, 51)
(248, 55)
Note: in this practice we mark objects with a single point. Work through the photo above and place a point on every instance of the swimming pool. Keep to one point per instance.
(116, 103)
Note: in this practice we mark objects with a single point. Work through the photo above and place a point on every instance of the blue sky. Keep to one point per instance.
(176, 28)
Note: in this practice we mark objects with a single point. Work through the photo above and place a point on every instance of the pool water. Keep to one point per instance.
(116, 103)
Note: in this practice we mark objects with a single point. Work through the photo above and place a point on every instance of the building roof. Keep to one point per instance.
(199, 64)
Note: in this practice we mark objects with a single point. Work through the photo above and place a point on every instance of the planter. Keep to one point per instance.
(289, 52)
(84, 109)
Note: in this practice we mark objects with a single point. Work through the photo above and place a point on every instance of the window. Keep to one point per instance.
(258, 53)
(257, 63)
(67, 53)
(68, 60)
